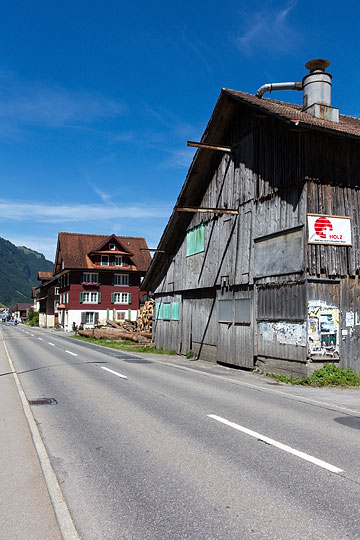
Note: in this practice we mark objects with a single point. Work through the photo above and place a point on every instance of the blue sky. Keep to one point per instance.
(98, 99)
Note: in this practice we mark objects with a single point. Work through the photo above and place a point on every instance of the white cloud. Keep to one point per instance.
(78, 213)
(268, 28)
(51, 106)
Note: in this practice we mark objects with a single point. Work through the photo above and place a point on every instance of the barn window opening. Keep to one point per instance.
(195, 240)
(225, 311)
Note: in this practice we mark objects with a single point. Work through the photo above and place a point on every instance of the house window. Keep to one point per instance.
(68, 279)
(195, 240)
(104, 260)
(67, 297)
(120, 315)
(57, 289)
(112, 247)
(90, 278)
(90, 297)
(119, 261)
(121, 279)
(89, 317)
(120, 298)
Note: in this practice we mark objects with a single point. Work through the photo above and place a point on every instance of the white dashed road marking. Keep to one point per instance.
(114, 372)
(279, 445)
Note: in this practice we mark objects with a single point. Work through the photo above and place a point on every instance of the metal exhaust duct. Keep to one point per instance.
(316, 87)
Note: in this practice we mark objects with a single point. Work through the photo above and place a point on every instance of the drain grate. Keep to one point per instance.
(43, 401)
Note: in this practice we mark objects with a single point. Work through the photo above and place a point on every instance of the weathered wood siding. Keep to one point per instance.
(275, 176)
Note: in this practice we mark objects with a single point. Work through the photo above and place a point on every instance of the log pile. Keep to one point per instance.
(144, 322)
(115, 334)
(139, 331)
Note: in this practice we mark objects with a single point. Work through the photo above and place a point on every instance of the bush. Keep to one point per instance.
(329, 375)
(33, 318)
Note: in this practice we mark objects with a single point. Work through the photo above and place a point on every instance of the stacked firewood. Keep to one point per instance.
(144, 322)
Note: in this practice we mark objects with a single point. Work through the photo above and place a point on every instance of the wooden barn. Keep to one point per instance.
(259, 263)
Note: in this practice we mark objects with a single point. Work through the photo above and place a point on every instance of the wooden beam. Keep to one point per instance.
(207, 210)
(209, 146)
(154, 250)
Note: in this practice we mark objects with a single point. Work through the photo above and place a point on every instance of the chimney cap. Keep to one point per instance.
(317, 63)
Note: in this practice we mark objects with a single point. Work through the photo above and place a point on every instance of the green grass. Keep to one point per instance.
(124, 345)
(329, 375)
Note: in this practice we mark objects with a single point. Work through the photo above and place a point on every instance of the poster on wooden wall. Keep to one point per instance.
(323, 229)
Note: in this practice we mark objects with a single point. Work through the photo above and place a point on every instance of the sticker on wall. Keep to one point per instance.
(323, 329)
(323, 229)
(350, 318)
(357, 319)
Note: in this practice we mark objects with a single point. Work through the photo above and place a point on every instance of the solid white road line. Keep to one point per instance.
(69, 352)
(284, 447)
(114, 372)
(64, 518)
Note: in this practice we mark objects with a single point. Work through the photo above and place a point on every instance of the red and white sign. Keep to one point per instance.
(329, 230)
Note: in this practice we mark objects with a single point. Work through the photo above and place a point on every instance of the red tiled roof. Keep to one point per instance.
(45, 275)
(74, 248)
(289, 111)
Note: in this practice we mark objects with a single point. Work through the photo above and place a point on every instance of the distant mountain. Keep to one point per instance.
(19, 267)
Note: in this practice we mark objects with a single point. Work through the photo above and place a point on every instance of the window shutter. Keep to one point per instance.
(129, 298)
(122, 261)
(96, 317)
(130, 279)
(112, 297)
(112, 279)
(82, 278)
(83, 317)
(113, 263)
(99, 278)
(99, 298)
(175, 311)
(81, 297)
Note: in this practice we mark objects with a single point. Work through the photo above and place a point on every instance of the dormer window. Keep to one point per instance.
(104, 260)
(119, 261)
(112, 247)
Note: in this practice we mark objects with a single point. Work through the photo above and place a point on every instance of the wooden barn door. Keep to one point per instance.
(235, 327)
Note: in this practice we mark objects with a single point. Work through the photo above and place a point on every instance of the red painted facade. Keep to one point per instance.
(105, 256)
(106, 288)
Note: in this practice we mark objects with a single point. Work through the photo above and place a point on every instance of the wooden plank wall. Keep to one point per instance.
(275, 176)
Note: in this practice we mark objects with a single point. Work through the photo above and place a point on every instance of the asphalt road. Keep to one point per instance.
(154, 449)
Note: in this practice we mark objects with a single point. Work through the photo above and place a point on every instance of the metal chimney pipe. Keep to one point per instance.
(269, 87)
(317, 84)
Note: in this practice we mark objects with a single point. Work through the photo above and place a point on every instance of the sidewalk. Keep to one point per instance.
(26, 511)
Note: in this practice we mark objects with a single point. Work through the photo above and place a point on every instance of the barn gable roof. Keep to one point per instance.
(198, 174)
